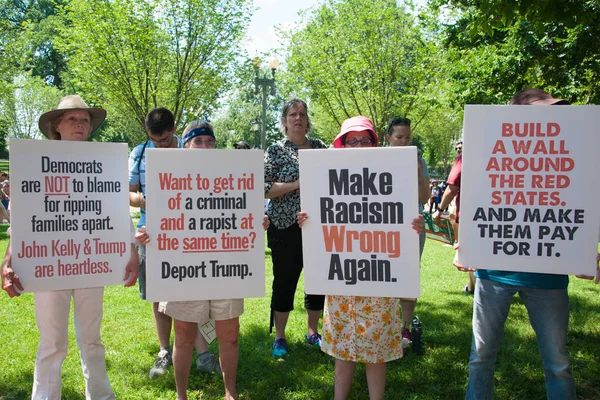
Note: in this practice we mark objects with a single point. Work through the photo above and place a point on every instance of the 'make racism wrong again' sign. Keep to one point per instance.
(358, 238)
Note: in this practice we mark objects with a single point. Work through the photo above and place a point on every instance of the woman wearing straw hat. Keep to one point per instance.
(72, 120)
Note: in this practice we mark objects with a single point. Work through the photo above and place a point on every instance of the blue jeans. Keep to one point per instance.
(549, 316)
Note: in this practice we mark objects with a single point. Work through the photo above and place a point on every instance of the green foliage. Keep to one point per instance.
(132, 56)
(27, 36)
(357, 57)
(29, 98)
(244, 107)
(502, 46)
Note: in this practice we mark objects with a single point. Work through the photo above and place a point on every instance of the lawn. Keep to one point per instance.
(4, 166)
(441, 373)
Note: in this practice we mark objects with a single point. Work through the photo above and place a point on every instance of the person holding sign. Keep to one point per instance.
(160, 128)
(358, 328)
(188, 314)
(284, 235)
(72, 120)
(398, 134)
(546, 299)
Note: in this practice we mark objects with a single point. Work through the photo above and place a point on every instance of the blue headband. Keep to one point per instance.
(202, 131)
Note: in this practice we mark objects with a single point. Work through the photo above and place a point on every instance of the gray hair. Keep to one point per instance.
(286, 108)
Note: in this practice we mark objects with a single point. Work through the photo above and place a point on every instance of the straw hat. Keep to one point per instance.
(47, 122)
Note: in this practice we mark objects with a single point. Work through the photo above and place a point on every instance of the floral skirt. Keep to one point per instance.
(362, 329)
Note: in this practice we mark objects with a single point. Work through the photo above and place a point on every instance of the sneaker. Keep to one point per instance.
(406, 339)
(161, 366)
(280, 348)
(467, 291)
(208, 364)
(313, 340)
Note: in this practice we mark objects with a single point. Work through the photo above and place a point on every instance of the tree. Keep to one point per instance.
(29, 98)
(28, 32)
(243, 107)
(132, 56)
(502, 46)
(361, 57)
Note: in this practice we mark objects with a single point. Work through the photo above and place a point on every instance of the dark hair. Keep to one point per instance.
(159, 120)
(397, 121)
(242, 145)
(286, 108)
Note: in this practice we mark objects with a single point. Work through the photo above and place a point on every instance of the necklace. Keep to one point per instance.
(302, 144)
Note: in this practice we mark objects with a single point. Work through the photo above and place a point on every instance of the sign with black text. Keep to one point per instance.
(70, 213)
(358, 239)
(529, 195)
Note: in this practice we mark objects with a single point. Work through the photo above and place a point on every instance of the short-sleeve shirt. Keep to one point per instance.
(281, 165)
(454, 179)
(137, 170)
(425, 175)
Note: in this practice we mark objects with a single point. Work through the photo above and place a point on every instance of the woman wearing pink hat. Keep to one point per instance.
(357, 328)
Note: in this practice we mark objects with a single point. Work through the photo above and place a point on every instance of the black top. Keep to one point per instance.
(281, 165)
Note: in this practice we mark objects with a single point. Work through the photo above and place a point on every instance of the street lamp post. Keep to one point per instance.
(264, 83)
(255, 130)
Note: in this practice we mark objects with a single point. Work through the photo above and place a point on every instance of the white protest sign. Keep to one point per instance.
(358, 239)
(529, 196)
(204, 218)
(70, 213)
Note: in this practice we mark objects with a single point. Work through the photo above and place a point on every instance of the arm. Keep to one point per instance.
(136, 199)
(455, 261)
(449, 194)
(423, 179)
(132, 268)
(278, 189)
(595, 278)
(4, 213)
(10, 281)
(273, 188)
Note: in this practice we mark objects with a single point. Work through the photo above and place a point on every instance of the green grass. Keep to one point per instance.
(4, 166)
(441, 373)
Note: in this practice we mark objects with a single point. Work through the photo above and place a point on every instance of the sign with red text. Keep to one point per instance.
(358, 239)
(204, 218)
(529, 195)
(70, 225)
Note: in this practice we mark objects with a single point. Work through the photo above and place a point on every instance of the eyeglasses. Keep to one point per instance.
(198, 142)
(165, 141)
(356, 142)
(458, 148)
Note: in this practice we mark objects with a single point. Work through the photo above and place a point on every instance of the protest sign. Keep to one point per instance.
(529, 200)
(358, 238)
(204, 218)
(441, 232)
(70, 214)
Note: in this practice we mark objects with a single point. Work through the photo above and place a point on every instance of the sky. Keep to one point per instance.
(261, 35)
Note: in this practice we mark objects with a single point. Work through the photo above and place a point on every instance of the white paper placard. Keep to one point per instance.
(204, 217)
(70, 214)
(529, 200)
(358, 238)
